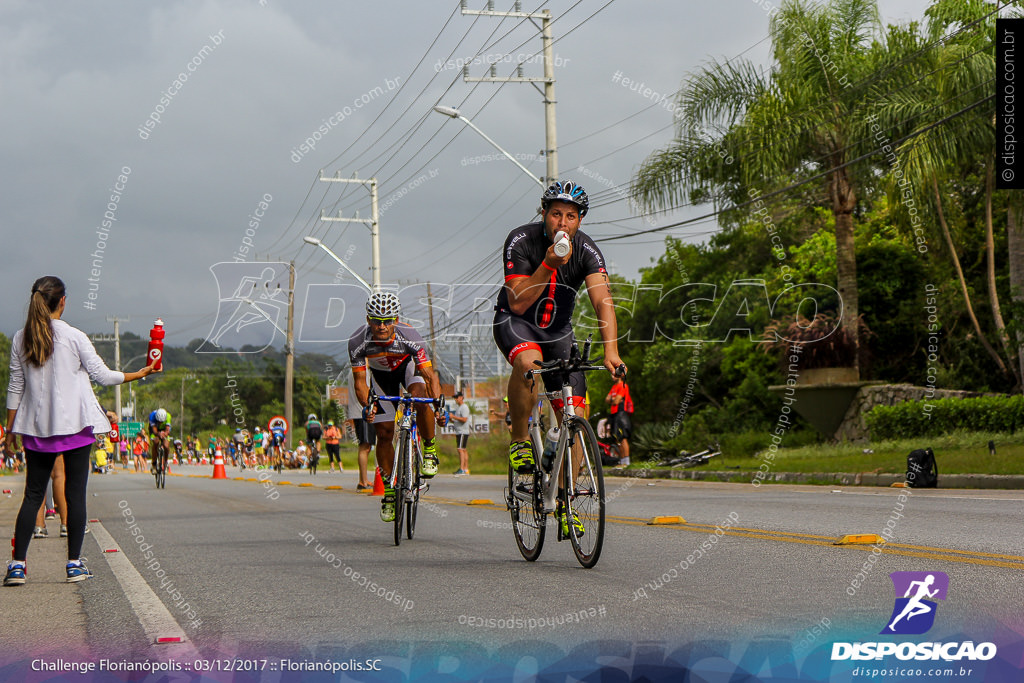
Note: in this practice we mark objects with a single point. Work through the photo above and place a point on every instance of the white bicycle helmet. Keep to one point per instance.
(311, 417)
(161, 415)
(383, 305)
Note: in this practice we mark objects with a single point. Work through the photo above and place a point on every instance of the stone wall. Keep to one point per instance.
(853, 428)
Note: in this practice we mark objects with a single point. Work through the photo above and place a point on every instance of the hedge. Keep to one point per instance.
(940, 416)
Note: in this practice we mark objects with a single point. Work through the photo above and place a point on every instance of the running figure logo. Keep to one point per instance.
(914, 612)
(252, 304)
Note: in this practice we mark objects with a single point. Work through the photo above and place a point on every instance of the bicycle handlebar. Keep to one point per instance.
(562, 365)
(374, 398)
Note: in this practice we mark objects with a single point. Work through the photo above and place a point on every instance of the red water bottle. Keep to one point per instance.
(156, 344)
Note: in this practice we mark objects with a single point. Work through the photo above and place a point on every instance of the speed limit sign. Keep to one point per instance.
(278, 422)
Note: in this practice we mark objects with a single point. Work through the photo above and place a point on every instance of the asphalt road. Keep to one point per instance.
(265, 568)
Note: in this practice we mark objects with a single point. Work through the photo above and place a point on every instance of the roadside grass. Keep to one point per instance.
(955, 453)
(488, 454)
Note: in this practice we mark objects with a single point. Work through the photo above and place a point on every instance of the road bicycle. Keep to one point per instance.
(405, 478)
(568, 479)
(314, 455)
(160, 464)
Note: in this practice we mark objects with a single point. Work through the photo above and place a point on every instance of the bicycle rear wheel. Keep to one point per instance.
(528, 525)
(584, 492)
(401, 482)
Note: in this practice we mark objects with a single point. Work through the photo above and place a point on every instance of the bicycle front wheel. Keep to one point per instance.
(583, 481)
(528, 524)
(414, 494)
(401, 482)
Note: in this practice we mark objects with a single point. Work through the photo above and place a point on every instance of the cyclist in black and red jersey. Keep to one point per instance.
(396, 357)
(533, 318)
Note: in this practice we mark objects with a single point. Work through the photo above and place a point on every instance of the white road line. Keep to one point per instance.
(153, 615)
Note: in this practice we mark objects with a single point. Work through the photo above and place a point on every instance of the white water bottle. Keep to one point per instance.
(561, 244)
(550, 442)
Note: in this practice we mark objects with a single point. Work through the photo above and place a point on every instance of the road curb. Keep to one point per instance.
(946, 481)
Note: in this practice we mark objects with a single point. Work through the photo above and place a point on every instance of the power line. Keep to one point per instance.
(812, 178)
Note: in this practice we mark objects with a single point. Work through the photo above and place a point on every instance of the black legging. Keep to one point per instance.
(76, 476)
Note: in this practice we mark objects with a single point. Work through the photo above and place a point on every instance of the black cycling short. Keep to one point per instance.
(390, 383)
(365, 433)
(513, 335)
(622, 426)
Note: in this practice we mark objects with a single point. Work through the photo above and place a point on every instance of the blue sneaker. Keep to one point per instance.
(15, 574)
(78, 572)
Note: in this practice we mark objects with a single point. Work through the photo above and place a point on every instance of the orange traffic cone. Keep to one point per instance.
(218, 465)
(378, 485)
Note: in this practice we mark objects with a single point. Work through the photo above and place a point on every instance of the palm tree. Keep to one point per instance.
(948, 131)
(807, 116)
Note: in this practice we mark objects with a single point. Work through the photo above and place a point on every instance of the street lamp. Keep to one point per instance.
(454, 113)
(317, 243)
(131, 387)
(181, 425)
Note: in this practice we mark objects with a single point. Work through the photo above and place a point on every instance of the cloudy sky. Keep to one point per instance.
(135, 216)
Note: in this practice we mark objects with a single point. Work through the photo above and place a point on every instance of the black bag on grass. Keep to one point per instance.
(922, 470)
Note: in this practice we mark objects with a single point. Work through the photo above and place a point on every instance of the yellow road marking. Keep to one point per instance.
(943, 554)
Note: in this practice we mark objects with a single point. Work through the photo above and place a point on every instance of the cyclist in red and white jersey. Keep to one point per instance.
(396, 357)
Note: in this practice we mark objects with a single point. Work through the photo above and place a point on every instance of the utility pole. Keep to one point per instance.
(462, 371)
(117, 359)
(181, 420)
(433, 338)
(472, 369)
(289, 359)
(373, 223)
(550, 137)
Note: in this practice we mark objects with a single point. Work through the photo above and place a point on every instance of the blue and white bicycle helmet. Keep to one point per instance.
(566, 191)
(383, 305)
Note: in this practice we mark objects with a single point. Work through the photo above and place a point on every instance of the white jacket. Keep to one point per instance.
(57, 398)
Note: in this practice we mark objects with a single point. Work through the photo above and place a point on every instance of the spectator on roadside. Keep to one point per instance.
(508, 415)
(301, 455)
(460, 417)
(621, 408)
(366, 436)
(51, 405)
(103, 450)
(332, 440)
(139, 448)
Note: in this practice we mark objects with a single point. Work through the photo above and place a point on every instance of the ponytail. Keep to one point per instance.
(38, 334)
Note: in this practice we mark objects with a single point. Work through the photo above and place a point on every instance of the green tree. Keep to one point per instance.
(949, 136)
(807, 116)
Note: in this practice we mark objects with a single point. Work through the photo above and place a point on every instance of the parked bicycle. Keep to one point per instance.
(569, 480)
(686, 459)
(405, 476)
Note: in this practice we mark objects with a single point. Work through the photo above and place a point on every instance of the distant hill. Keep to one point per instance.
(134, 347)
